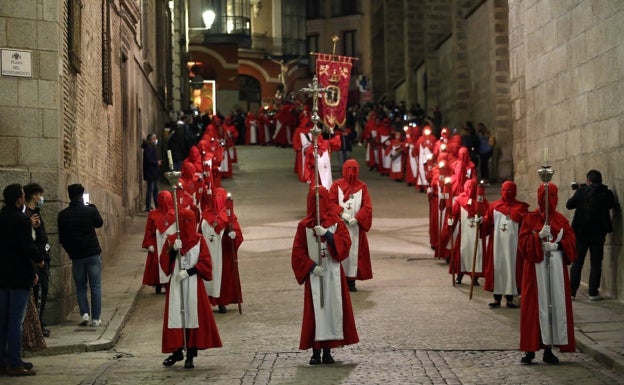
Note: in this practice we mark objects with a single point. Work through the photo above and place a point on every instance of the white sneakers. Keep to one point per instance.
(594, 298)
(85, 321)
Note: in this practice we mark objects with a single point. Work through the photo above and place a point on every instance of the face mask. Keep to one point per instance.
(40, 201)
(24, 208)
(156, 142)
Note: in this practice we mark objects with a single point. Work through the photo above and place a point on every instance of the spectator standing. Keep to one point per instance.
(76, 230)
(34, 201)
(470, 140)
(151, 170)
(17, 276)
(486, 149)
(591, 224)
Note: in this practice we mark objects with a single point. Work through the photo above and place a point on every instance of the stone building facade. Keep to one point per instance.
(567, 85)
(99, 84)
(537, 73)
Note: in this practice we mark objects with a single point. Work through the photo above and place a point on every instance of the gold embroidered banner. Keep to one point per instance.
(334, 72)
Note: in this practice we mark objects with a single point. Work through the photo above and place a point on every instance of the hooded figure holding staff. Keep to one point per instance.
(331, 324)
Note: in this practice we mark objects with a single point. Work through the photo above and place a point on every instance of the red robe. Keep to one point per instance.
(340, 193)
(531, 249)
(516, 211)
(220, 225)
(302, 265)
(206, 335)
(159, 223)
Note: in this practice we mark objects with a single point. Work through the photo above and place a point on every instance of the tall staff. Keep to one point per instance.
(479, 214)
(316, 92)
(546, 173)
(173, 177)
(448, 199)
(229, 208)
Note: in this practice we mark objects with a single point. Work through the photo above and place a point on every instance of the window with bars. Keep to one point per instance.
(74, 24)
(107, 72)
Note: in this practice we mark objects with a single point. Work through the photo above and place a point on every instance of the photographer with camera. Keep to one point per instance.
(591, 223)
(76, 231)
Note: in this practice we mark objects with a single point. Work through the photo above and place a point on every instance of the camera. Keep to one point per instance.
(576, 185)
(37, 210)
(85, 199)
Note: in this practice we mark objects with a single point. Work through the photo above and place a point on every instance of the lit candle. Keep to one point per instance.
(545, 156)
(170, 159)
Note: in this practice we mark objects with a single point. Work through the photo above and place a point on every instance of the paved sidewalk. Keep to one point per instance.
(599, 325)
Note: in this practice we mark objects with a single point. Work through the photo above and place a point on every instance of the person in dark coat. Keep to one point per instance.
(17, 276)
(151, 170)
(591, 224)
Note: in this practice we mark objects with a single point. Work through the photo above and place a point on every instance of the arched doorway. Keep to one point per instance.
(250, 94)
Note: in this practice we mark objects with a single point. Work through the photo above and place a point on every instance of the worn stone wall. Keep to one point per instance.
(567, 71)
(59, 128)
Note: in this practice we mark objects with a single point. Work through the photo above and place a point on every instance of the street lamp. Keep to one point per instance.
(209, 18)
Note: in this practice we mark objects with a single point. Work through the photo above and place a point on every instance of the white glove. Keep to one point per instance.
(232, 234)
(346, 216)
(319, 271)
(320, 230)
(177, 244)
(150, 249)
(182, 275)
(429, 190)
(353, 222)
(549, 246)
(478, 219)
(544, 232)
(450, 221)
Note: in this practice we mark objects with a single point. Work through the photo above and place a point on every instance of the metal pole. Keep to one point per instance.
(316, 92)
(545, 173)
(173, 177)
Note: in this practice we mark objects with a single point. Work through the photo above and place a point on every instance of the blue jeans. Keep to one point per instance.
(151, 191)
(88, 270)
(12, 311)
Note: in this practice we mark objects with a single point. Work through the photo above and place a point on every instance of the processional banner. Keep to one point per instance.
(334, 73)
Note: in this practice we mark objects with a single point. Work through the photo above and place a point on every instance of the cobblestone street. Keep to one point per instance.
(414, 326)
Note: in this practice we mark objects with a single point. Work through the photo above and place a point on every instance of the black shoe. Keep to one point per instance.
(328, 359)
(315, 359)
(459, 279)
(46, 332)
(527, 358)
(549, 357)
(172, 359)
(27, 365)
(475, 281)
(352, 287)
(495, 304)
(188, 364)
(158, 289)
(512, 305)
(222, 309)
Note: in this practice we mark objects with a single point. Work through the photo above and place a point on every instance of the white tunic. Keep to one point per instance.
(189, 289)
(468, 234)
(351, 207)
(328, 319)
(505, 238)
(161, 238)
(213, 240)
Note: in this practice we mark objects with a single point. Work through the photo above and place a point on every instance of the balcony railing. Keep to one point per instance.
(229, 29)
(289, 48)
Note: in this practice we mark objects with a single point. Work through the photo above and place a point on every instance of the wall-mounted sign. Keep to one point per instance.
(16, 63)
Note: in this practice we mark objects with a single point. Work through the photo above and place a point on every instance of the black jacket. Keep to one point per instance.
(41, 236)
(76, 229)
(18, 249)
(151, 171)
(592, 203)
